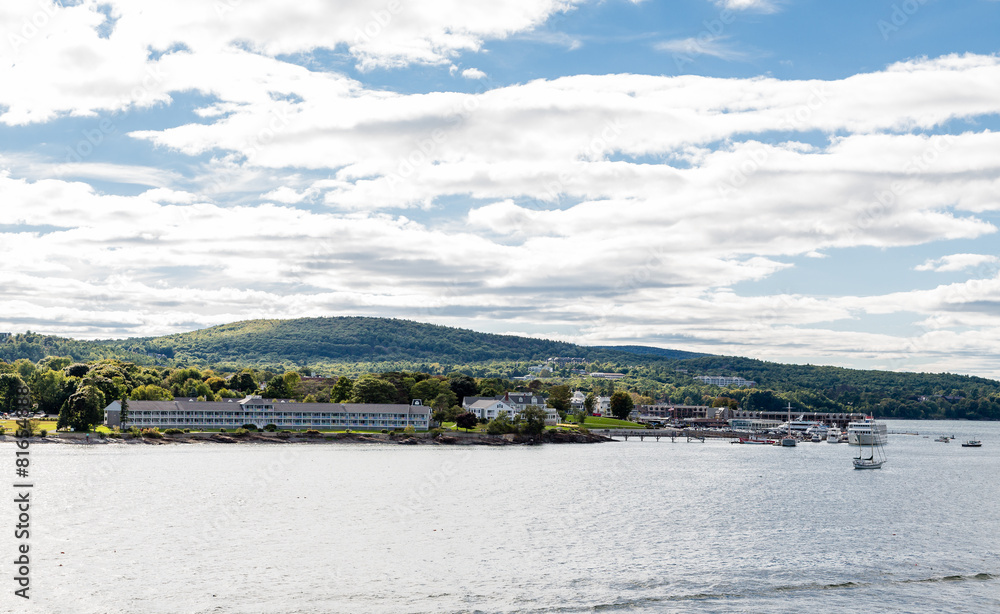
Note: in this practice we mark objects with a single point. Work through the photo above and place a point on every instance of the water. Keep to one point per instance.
(647, 526)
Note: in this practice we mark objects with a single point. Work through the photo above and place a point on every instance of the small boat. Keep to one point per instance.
(816, 438)
(833, 435)
(972, 443)
(943, 439)
(874, 459)
(755, 441)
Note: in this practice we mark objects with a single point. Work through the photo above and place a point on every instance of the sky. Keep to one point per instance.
(789, 180)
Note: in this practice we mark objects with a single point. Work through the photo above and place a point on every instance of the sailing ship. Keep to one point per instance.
(871, 456)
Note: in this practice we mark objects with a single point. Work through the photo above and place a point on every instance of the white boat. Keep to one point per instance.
(866, 432)
(972, 443)
(833, 435)
(788, 441)
(802, 426)
(870, 455)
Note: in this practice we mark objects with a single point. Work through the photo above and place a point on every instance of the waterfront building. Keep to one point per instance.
(234, 413)
(511, 402)
(488, 409)
(670, 411)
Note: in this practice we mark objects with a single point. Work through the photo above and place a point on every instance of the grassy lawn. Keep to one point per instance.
(594, 422)
(11, 425)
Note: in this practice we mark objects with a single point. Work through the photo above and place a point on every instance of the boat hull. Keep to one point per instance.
(867, 464)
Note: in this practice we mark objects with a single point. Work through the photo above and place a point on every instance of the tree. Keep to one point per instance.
(292, 383)
(559, 398)
(532, 420)
(501, 425)
(77, 370)
(466, 420)
(123, 417)
(51, 389)
(462, 385)
(621, 405)
(151, 392)
(14, 394)
(342, 390)
(589, 404)
(426, 390)
(244, 381)
(277, 388)
(83, 410)
(370, 389)
(444, 400)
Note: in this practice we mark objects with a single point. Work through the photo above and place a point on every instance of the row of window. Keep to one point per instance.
(278, 415)
(230, 422)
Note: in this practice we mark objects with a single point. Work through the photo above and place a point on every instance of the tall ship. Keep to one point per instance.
(867, 432)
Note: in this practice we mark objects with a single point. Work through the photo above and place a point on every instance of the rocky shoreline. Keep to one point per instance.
(444, 439)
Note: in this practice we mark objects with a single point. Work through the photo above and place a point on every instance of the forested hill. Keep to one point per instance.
(356, 345)
(357, 339)
(645, 350)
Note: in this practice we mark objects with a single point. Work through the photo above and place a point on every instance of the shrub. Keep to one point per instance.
(312, 432)
(2, 430)
(187, 430)
(222, 430)
(436, 432)
(241, 432)
(45, 432)
(135, 432)
(271, 428)
(384, 431)
(249, 427)
(286, 432)
(173, 432)
(115, 435)
(409, 430)
(153, 433)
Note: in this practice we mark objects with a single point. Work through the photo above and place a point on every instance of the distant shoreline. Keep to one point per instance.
(452, 439)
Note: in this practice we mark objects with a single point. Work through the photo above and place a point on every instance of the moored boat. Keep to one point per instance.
(972, 443)
(867, 432)
(870, 456)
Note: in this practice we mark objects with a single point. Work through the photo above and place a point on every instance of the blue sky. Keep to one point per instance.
(789, 180)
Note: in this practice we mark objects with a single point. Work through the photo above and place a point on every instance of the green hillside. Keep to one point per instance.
(356, 339)
(355, 345)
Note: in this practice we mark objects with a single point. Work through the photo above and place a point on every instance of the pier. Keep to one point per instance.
(673, 434)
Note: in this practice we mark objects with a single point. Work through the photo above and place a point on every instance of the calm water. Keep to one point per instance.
(641, 526)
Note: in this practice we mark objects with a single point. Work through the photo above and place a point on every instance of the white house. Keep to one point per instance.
(488, 409)
(577, 400)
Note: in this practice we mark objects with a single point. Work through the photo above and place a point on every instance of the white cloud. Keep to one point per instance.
(610, 208)
(86, 72)
(702, 45)
(473, 73)
(763, 6)
(958, 262)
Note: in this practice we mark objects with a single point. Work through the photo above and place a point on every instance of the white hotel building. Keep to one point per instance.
(233, 413)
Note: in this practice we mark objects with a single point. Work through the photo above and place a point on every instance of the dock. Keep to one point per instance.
(688, 435)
